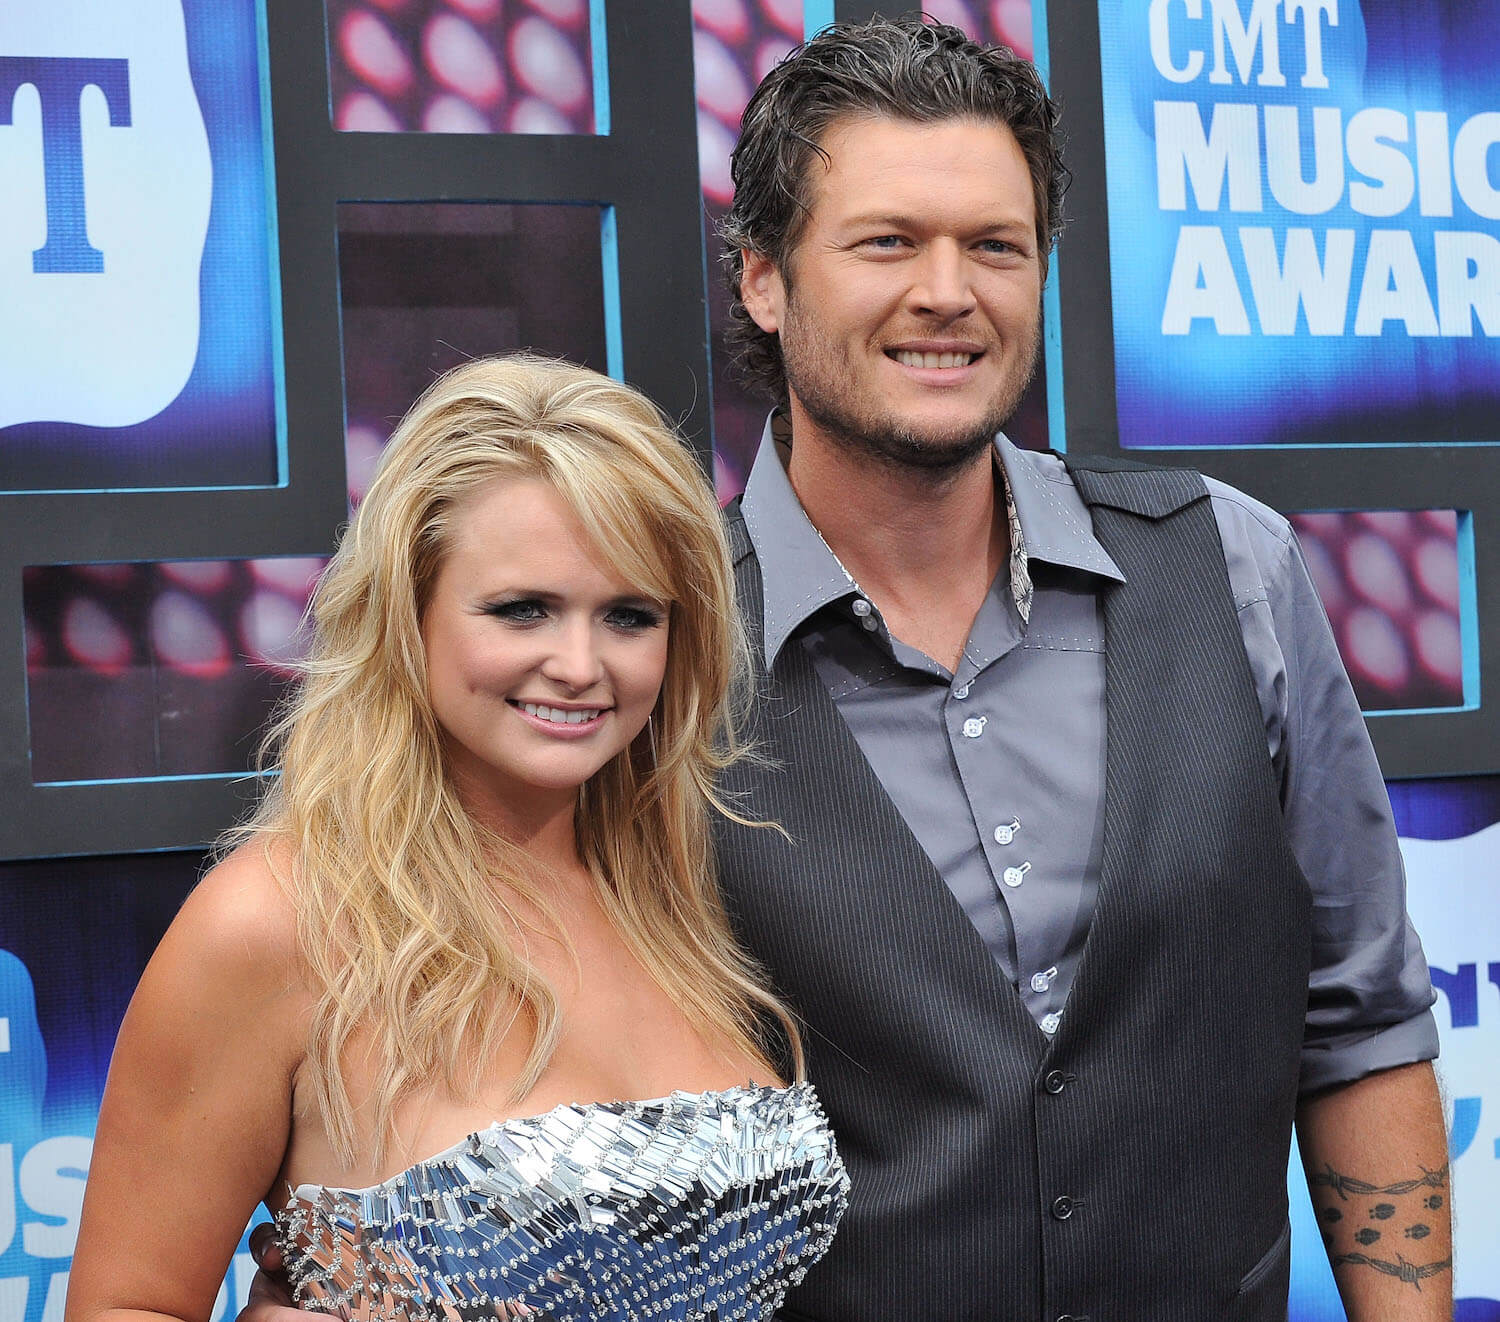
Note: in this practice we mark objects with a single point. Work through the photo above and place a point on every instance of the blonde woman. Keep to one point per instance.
(462, 1008)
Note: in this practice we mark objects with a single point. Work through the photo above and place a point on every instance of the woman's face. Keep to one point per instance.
(542, 663)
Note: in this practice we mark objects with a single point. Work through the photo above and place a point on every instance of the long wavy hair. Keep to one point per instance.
(408, 909)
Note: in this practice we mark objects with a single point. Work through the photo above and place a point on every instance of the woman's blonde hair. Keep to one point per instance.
(407, 908)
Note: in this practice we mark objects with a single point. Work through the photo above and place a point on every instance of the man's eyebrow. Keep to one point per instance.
(898, 221)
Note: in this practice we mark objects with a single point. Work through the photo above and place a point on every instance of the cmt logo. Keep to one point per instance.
(105, 165)
(59, 85)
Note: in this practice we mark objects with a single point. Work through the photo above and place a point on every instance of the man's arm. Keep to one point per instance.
(1376, 1156)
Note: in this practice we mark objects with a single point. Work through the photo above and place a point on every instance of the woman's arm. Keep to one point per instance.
(198, 1107)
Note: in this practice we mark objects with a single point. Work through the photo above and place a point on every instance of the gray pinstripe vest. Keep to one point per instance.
(1133, 1168)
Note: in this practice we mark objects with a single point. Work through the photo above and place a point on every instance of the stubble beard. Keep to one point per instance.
(827, 393)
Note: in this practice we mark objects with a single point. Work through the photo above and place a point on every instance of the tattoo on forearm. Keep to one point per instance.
(1380, 1214)
(1344, 1185)
(1410, 1272)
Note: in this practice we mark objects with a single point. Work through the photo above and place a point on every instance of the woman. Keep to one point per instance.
(474, 916)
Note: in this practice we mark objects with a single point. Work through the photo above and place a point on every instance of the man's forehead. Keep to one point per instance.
(874, 155)
(870, 134)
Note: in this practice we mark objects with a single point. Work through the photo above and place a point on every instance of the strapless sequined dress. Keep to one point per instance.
(698, 1207)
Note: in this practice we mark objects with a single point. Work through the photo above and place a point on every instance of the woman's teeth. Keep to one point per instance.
(911, 358)
(578, 716)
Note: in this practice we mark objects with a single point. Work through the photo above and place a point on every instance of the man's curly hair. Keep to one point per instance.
(903, 69)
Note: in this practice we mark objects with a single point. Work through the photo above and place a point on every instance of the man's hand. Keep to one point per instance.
(270, 1296)
(1376, 1158)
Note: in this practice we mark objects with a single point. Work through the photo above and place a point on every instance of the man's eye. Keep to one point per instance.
(523, 611)
(633, 619)
(885, 242)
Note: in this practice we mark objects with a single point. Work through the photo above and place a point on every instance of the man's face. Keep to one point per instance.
(909, 314)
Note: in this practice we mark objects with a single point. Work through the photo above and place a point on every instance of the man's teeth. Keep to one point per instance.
(911, 358)
(558, 715)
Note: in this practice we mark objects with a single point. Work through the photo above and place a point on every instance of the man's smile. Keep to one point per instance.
(930, 358)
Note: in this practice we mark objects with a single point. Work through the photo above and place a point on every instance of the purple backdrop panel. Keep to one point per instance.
(735, 44)
(428, 285)
(158, 669)
(1390, 582)
(461, 66)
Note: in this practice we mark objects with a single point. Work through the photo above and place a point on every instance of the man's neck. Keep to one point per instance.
(924, 547)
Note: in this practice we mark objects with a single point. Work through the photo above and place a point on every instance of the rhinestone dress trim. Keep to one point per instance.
(698, 1207)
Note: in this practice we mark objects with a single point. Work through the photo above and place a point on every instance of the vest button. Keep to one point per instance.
(1062, 1207)
(1055, 1082)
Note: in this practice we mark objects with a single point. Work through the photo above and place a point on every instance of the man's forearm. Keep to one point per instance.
(1376, 1156)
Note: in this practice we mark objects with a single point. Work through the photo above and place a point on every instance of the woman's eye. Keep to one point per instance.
(523, 611)
(633, 619)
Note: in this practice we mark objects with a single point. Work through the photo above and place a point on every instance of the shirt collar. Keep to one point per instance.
(801, 574)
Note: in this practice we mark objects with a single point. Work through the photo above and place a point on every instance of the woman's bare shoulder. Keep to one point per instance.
(240, 921)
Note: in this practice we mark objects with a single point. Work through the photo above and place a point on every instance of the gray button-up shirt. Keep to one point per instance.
(998, 767)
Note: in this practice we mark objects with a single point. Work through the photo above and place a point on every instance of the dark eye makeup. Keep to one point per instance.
(634, 617)
(519, 610)
(625, 616)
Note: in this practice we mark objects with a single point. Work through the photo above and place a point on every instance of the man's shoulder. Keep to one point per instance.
(1249, 527)
(1257, 541)
(1241, 517)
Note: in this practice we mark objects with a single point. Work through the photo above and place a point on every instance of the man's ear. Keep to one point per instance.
(762, 291)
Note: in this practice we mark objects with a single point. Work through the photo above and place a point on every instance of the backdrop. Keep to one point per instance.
(242, 234)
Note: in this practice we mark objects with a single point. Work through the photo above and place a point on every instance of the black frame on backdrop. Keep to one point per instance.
(1458, 476)
(645, 168)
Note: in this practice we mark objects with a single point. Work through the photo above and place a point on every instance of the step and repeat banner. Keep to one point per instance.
(1302, 235)
(137, 273)
(1302, 220)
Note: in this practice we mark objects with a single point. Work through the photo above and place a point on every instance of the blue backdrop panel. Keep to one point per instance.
(137, 260)
(74, 938)
(1303, 207)
(1450, 839)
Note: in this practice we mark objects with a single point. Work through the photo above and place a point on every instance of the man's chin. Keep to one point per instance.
(931, 448)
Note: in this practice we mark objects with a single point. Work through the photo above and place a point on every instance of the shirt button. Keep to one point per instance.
(1015, 876)
(1049, 1022)
(1040, 982)
(974, 727)
(1055, 1082)
(1062, 1207)
(861, 607)
(1005, 834)
(870, 622)
(961, 692)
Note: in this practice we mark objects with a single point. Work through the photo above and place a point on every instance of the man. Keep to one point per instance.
(1079, 908)
(1072, 949)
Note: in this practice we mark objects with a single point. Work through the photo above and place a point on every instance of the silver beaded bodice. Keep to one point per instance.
(697, 1206)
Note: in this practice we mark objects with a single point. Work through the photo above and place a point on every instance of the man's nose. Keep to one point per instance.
(941, 286)
(574, 660)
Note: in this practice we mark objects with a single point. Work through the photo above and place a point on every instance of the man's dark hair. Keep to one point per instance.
(902, 69)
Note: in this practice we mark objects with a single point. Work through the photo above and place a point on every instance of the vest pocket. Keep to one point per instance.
(1268, 1262)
